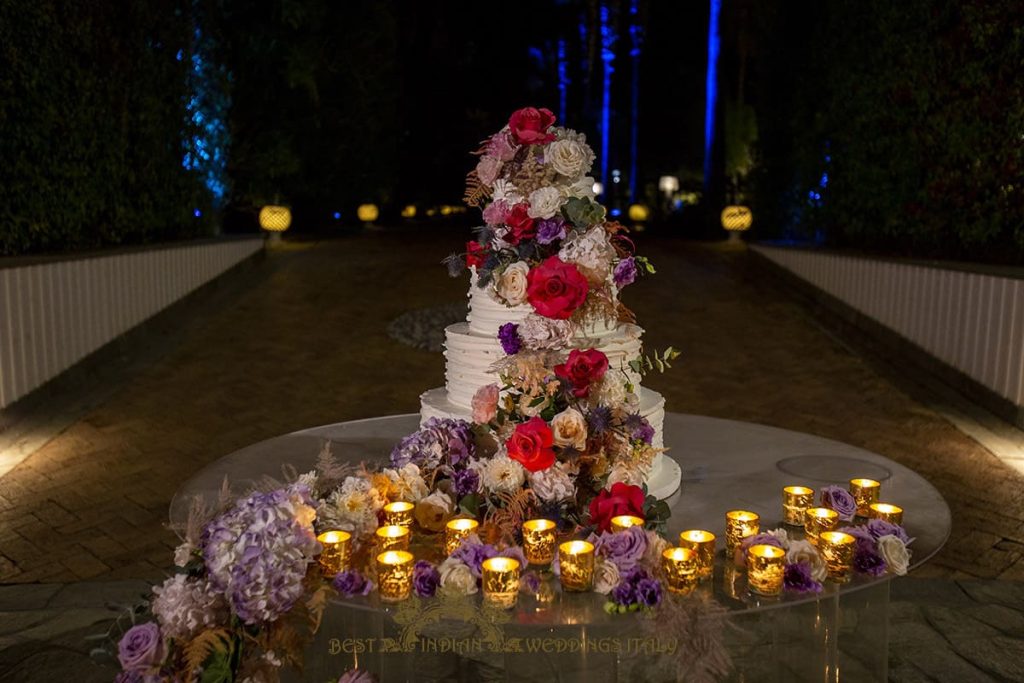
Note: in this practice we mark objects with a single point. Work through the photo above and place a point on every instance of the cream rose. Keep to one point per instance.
(545, 202)
(803, 551)
(568, 157)
(606, 576)
(434, 511)
(570, 429)
(895, 553)
(456, 577)
(511, 284)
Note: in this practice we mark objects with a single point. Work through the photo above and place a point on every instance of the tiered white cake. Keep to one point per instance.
(472, 348)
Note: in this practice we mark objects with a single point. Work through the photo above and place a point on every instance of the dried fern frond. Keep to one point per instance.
(476, 192)
(509, 512)
(200, 648)
(624, 314)
(329, 471)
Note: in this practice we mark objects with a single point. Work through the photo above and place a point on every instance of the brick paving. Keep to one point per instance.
(304, 343)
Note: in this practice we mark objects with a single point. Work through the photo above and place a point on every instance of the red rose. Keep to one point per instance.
(582, 369)
(529, 126)
(622, 499)
(555, 288)
(531, 445)
(475, 254)
(521, 226)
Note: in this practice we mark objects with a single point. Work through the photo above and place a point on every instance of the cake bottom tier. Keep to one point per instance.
(664, 478)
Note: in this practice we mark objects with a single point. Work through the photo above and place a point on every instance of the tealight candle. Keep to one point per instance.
(539, 541)
(865, 492)
(623, 522)
(455, 531)
(738, 525)
(817, 520)
(765, 567)
(680, 568)
(703, 544)
(398, 513)
(576, 565)
(336, 553)
(890, 513)
(500, 580)
(393, 538)
(795, 500)
(394, 575)
(837, 550)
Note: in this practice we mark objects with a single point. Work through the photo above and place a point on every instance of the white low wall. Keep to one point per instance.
(54, 313)
(972, 322)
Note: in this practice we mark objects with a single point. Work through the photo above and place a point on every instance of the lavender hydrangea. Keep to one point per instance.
(440, 439)
(257, 553)
(550, 230)
(840, 500)
(625, 272)
(508, 335)
(351, 582)
(625, 549)
(425, 579)
(797, 577)
(465, 482)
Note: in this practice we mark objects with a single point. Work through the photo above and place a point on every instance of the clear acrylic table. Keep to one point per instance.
(839, 634)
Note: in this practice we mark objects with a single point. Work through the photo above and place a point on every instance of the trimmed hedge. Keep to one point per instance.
(92, 111)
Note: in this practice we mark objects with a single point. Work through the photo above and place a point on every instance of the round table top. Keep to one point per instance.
(726, 465)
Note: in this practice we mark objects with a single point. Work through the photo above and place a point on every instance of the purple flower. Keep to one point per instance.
(425, 579)
(508, 335)
(550, 230)
(625, 272)
(879, 527)
(634, 582)
(648, 592)
(797, 577)
(516, 553)
(440, 439)
(529, 582)
(624, 549)
(473, 553)
(840, 500)
(599, 420)
(867, 561)
(351, 582)
(141, 648)
(465, 482)
(763, 538)
(639, 428)
(624, 594)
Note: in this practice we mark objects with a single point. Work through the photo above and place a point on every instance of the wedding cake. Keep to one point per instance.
(546, 272)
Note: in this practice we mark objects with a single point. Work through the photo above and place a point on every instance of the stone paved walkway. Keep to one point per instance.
(304, 342)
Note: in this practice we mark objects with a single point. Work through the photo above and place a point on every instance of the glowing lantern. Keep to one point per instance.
(409, 211)
(737, 218)
(668, 184)
(446, 210)
(275, 218)
(639, 213)
(598, 189)
(368, 213)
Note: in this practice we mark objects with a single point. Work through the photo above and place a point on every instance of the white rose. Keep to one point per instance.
(456, 577)
(581, 189)
(511, 284)
(434, 511)
(569, 158)
(606, 576)
(782, 535)
(545, 202)
(803, 551)
(570, 429)
(895, 553)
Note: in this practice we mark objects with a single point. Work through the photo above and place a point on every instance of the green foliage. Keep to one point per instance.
(920, 106)
(92, 105)
(660, 361)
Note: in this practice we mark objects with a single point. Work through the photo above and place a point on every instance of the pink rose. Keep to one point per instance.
(487, 169)
(485, 404)
(496, 213)
(529, 126)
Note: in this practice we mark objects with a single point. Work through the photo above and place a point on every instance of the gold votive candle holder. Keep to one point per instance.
(398, 513)
(500, 581)
(394, 575)
(765, 567)
(623, 522)
(393, 537)
(795, 501)
(890, 513)
(680, 568)
(455, 531)
(702, 543)
(837, 549)
(539, 541)
(738, 525)
(337, 551)
(576, 565)
(865, 492)
(817, 520)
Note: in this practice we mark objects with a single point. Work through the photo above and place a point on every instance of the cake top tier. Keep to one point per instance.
(547, 257)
